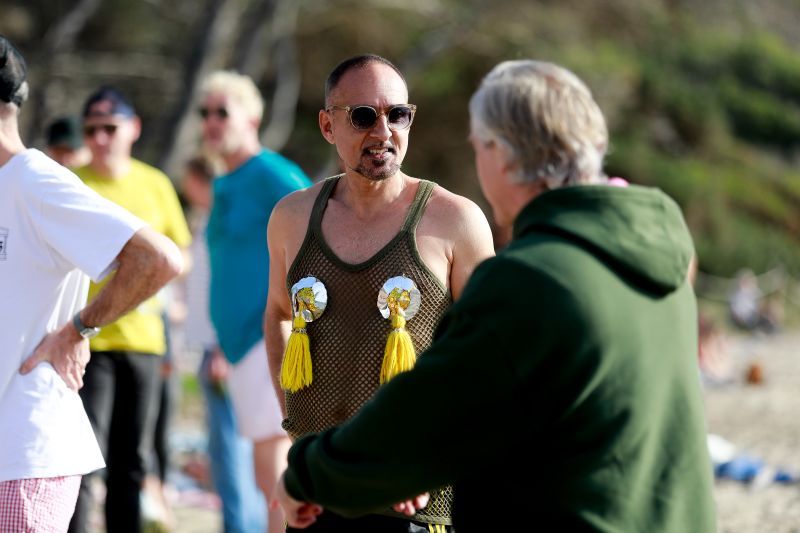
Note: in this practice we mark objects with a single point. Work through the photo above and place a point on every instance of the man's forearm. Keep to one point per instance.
(145, 264)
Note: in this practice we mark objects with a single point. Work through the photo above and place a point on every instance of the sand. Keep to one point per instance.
(764, 422)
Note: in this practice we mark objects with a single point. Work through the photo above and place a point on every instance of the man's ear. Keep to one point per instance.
(326, 126)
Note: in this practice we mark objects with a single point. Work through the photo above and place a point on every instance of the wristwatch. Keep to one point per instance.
(83, 330)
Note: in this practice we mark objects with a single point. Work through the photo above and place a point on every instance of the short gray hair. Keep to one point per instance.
(547, 119)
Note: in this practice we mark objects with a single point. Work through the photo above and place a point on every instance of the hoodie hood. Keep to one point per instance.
(638, 231)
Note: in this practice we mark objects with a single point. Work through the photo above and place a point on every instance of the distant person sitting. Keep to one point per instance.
(716, 367)
(65, 142)
(749, 307)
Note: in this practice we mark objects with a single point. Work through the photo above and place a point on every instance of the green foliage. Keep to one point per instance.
(714, 120)
(736, 241)
(761, 116)
(765, 62)
(754, 81)
(738, 215)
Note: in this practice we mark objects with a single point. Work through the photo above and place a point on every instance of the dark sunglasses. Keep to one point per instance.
(364, 117)
(109, 129)
(221, 112)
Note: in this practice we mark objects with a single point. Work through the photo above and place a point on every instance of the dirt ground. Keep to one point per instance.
(762, 420)
(195, 520)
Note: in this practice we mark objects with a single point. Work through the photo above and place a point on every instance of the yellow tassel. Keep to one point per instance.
(399, 355)
(296, 367)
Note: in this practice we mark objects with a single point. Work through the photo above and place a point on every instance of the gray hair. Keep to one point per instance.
(546, 118)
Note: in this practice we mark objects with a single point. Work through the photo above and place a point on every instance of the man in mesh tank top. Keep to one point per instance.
(352, 233)
(575, 347)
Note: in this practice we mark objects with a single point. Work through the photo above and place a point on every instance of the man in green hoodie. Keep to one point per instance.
(561, 392)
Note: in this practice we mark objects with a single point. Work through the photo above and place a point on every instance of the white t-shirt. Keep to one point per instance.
(54, 231)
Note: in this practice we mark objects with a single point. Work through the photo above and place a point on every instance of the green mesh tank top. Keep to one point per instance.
(348, 340)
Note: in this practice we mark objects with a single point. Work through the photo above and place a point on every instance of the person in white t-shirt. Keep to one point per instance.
(55, 233)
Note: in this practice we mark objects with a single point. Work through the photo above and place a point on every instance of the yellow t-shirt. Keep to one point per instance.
(147, 193)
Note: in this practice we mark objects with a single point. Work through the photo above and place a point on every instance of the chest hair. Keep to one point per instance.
(355, 239)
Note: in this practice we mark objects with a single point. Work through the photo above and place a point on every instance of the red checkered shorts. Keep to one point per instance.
(40, 505)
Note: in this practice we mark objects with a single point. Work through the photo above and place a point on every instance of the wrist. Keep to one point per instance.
(87, 332)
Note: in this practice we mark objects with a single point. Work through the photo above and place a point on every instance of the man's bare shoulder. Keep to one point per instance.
(296, 205)
(300, 198)
(454, 213)
(288, 223)
(456, 226)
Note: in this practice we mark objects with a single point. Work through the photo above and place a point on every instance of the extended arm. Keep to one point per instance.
(365, 465)
(145, 264)
(486, 365)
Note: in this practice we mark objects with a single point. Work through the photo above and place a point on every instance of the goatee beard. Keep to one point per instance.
(378, 173)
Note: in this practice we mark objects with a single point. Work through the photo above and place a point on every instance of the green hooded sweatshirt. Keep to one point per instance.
(561, 392)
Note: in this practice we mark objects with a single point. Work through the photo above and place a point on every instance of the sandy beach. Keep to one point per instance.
(762, 421)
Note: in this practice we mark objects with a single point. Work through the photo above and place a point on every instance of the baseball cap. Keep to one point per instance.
(13, 70)
(65, 131)
(108, 101)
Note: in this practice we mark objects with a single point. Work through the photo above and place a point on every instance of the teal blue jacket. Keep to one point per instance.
(561, 392)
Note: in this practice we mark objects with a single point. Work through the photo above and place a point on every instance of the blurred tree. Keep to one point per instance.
(210, 41)
(710, 113)
(59, 39)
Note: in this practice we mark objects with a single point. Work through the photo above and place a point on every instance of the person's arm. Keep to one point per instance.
(146, 263)
(278, 312)
(474, 370)
(472, 244)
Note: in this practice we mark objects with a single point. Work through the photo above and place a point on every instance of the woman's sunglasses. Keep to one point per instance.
(364, 117)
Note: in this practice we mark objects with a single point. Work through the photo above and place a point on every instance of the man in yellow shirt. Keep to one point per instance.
(121, 385)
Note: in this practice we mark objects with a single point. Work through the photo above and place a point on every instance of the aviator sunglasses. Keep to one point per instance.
(364, 117)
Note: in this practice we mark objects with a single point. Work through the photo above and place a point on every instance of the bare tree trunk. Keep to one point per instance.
(440, 40)
(59, 39)
(283, 111)
(212, 44)
(63, 34)
(251, 46)
(268, 35)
